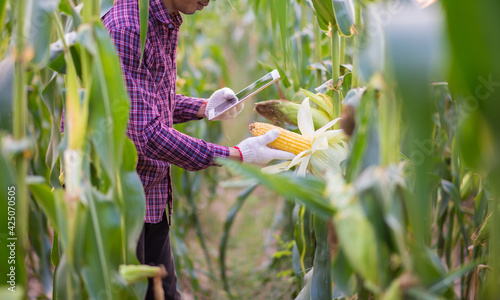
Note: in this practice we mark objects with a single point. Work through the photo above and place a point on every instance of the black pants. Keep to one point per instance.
(153, 248)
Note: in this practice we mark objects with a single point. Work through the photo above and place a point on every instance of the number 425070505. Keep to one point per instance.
(11, 209)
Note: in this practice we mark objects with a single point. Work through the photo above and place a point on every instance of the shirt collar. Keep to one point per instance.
(159, 12)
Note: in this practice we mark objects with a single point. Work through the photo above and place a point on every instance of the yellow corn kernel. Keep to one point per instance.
(286, 141)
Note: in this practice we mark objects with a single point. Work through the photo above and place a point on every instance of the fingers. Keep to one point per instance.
(220, 96)
(281, 155)
(233, 112)
(269, 136)
(230, 114)
(228, 93)
(238, 108)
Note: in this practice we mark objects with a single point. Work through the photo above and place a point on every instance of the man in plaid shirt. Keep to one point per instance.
(155, 107)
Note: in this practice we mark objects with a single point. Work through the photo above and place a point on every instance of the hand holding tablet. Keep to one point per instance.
(222, 96)
(214, 111)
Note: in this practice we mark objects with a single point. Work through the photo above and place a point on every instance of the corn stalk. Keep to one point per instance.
(21, 56)
(336, 51)
(356, 45)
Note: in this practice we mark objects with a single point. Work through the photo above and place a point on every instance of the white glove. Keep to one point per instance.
(254, 149)
(219, 97)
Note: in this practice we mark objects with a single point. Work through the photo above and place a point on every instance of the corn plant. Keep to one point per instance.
(84, 185)
(403, 218)
(411, 212)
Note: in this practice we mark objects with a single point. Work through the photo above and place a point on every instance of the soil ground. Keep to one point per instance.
(248, 257)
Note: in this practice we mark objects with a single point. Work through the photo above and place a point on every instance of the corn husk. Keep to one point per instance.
(135, 273)
(281, 112)
(482, 233)
(328, 147)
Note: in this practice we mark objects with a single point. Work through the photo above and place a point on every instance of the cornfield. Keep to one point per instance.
(388, 105)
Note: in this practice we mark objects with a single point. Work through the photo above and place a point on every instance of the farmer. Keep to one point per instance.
(155, 107)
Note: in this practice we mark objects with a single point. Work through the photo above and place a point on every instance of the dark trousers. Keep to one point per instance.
(153, 248)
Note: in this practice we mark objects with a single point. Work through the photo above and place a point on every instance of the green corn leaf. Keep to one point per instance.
(309, 190)
(40, 30)
(67, 283)
(109, 101)
(75, 111)
(99, 243)
(414, 59)
(343, 274)
(3, 4)
(7, 94)
(56, 58)
(321, 102)
(144, 18)
(304, 241)
(44, 197)
(393, 292)
(297, 266)
(370, 47)
(365, 139)
(191, 185)
(346, 84)
(321, 284)
(427, 265)
(344, 16)
(40, 243)
(55, 257)
(305, 293)
(51, 99)
(475, 141)
(284, 77)
(227, 229)
(324, 14)
(281, 7)
(475, 74)
(419, 293)
(353, 97)
(65, 7)
(106, 5)
(179, 248)
(54, 207)
(357, 238)
(447, 281)
(132, 198)
(450, 189)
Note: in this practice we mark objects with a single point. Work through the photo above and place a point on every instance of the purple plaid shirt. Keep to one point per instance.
(155, 106)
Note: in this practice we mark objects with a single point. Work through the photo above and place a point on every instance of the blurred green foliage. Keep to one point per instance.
(412, 216)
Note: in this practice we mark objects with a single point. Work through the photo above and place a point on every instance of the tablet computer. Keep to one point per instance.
(244, 94)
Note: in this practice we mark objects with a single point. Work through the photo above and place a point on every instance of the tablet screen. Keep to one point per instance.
(245, 93)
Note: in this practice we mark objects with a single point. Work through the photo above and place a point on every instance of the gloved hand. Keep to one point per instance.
(254, 149)
(219, 97)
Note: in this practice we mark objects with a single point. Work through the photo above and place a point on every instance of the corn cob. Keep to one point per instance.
(280, 112)
(286, 141)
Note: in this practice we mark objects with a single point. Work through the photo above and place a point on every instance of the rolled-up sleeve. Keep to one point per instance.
(152, 137)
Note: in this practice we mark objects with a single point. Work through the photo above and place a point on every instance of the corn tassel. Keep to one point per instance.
(286, 141)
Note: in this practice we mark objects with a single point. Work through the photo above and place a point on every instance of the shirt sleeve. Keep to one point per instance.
(151, 136)
(186, 108)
